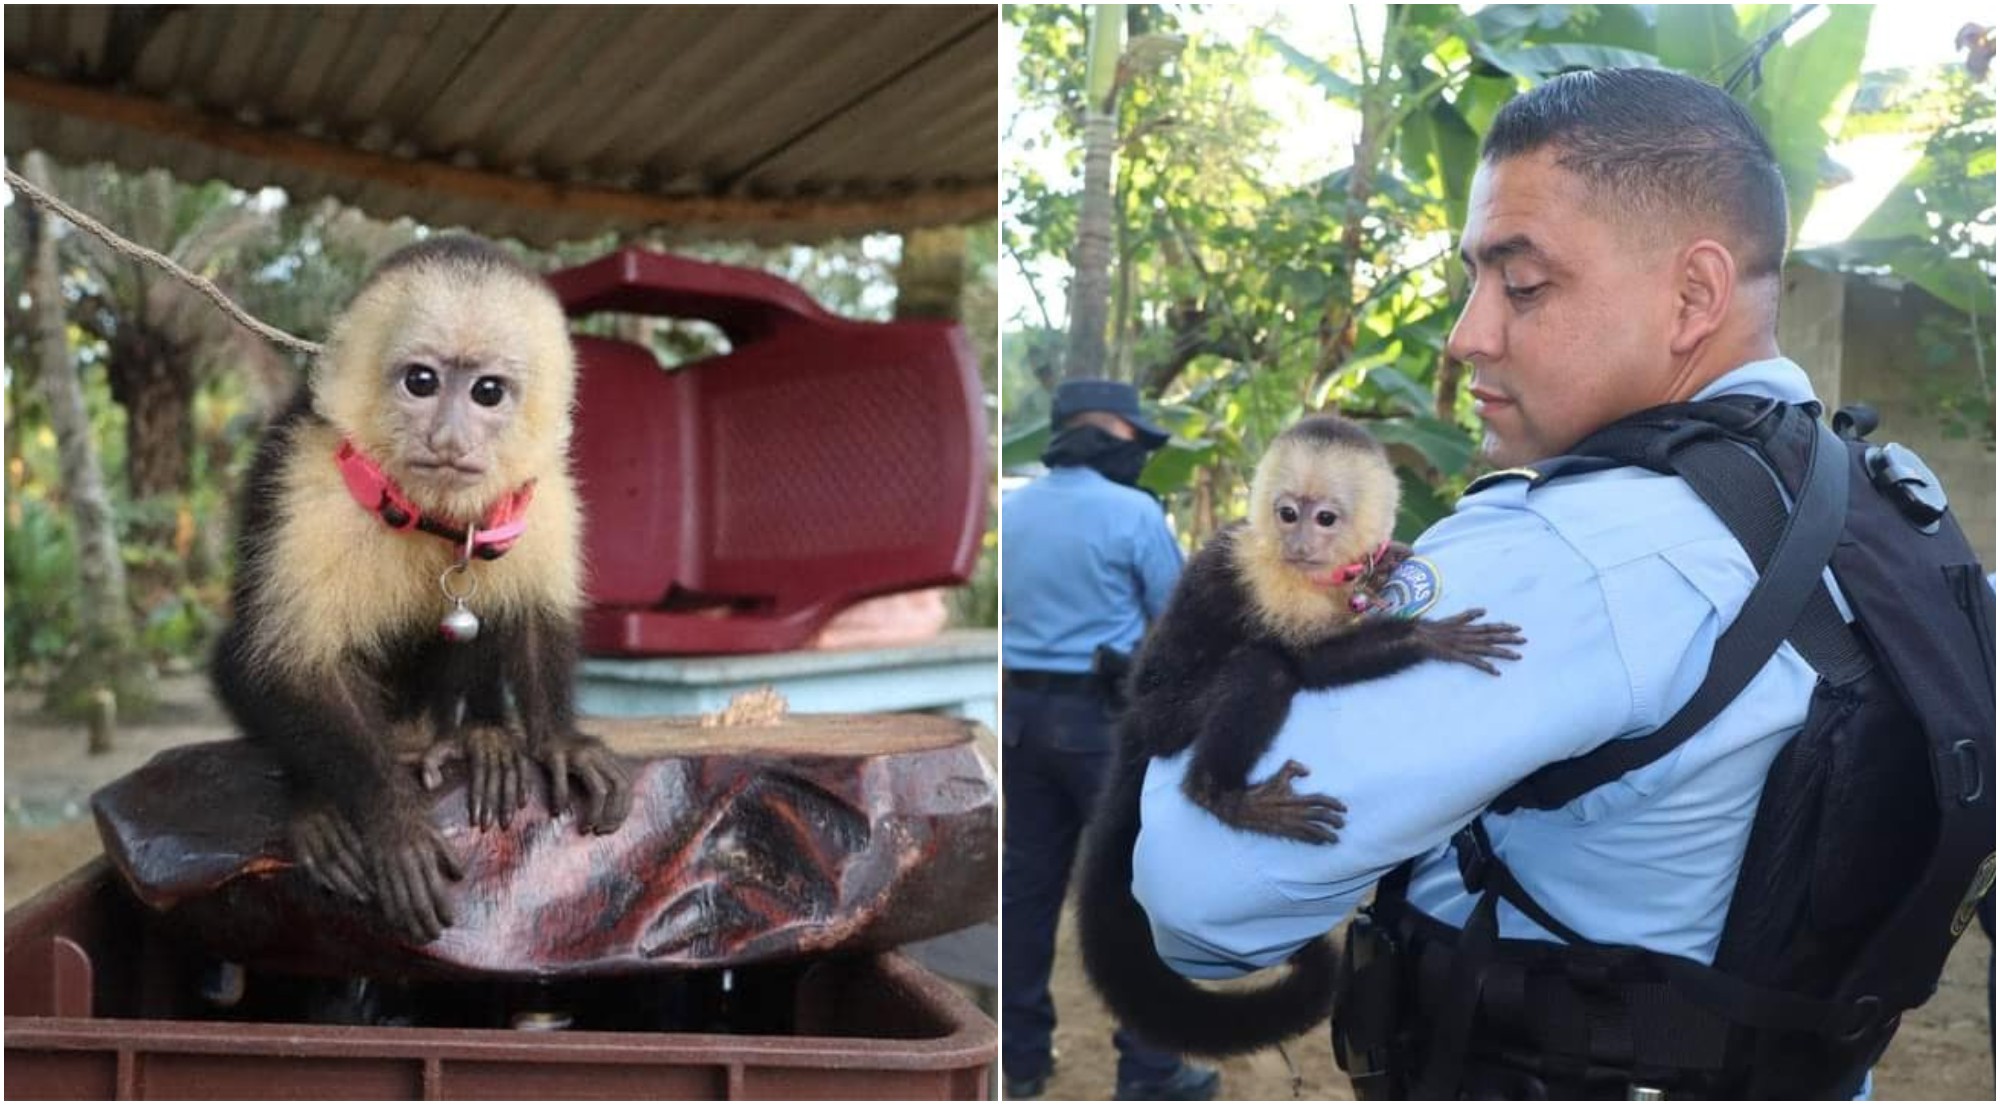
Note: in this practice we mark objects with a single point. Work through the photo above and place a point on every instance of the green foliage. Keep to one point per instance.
(45, 639)
(298, 278)
(98, 667)
(180, 626)
(1445, 446)
(1958, 373)
(41, 585)
(1024, 442)
(1936, 230)
(1173, 468)
(1247, 299)
(1421, 506)
(1805, 92)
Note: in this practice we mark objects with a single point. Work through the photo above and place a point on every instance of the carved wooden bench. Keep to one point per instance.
(811, 834)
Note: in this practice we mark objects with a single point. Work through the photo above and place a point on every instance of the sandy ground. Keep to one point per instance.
(1940, 1054)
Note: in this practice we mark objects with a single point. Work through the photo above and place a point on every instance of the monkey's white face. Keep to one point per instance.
(455, 412)
(1312, 530)
(1322, 509)
(458, 383)
(1314, 510)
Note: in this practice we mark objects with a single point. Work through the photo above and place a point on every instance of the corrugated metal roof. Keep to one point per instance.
(540, 123)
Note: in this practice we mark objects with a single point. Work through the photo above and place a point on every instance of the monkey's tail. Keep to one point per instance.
(1144, 994)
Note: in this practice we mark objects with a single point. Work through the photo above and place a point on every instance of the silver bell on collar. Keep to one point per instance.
(459, 624)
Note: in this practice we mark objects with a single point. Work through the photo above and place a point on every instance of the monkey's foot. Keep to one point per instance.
(607, 783)
(498, 769)
(412, 865)
(330, 851)
(1275, 808)
(1459, 640)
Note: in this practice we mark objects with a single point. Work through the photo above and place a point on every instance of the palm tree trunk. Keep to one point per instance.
(930, 280)
(1090, 290)
(1091, 294)
(101, 595)
(151, 379)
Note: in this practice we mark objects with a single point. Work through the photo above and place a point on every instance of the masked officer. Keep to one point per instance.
(1624, 242)
(1086, 562)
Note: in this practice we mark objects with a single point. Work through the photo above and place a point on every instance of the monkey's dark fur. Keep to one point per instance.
(333, 643)
(1214, 674)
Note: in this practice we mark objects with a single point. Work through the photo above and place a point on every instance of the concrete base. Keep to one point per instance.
(956, 673)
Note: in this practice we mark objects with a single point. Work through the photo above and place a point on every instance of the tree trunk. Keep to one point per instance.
(1090, 289)
(1377, 107)
(152, 379)
(1337, 328)
(930, 280)
(1450, 374)
(1203, 521)
(1122, 330)
(101, 601)
(1090, 293)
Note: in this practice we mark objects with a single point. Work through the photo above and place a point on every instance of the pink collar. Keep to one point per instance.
(1349, 573)
(376, 493)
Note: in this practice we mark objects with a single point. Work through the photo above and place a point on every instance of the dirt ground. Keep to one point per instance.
(1940, 1054)
(50, 776)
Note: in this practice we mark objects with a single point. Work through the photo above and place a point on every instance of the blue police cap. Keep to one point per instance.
(1073, 397)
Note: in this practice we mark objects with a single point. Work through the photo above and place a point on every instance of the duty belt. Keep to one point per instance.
(1067, 682)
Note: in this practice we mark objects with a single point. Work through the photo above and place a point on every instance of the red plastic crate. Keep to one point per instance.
(99, 998)
(819, 462)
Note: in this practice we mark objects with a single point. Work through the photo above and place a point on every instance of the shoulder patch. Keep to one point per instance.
(1413, 589)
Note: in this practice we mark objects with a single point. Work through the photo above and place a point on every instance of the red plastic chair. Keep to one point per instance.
(736, 504)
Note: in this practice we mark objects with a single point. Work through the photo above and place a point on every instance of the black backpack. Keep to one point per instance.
(1873, 839)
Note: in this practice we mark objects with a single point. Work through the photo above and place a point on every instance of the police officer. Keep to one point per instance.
(1624, 241)
(1086, 561)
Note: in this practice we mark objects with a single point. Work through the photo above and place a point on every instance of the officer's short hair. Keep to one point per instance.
(1659, 144)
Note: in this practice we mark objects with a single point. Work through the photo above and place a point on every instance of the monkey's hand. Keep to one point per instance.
(330, 851)
(1275, 808)
(412, 864)
(1460, 640)
(496, 759)
(1385, 566)
(607, 784)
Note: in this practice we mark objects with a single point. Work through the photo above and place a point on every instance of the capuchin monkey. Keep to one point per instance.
(409, 563)
(1271, 606)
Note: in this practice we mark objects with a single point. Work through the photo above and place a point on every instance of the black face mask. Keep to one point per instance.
(1090, 447)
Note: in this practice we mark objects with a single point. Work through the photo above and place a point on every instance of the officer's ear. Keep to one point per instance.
(1705, 290)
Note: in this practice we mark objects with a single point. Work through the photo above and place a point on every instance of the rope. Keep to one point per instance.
(160, 261)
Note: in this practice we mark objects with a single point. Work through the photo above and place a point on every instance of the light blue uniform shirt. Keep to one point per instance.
(1621, 582)
(1083, 562)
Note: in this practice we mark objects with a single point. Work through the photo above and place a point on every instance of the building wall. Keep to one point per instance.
(1881, 364)
(1809, 327)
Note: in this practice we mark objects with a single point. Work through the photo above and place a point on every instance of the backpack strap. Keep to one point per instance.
(1794, 546)
(1896, 967)
(1742, 490)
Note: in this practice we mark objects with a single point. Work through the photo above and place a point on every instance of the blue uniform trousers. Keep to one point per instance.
(1058, 749)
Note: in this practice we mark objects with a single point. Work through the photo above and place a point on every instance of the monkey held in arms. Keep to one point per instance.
(1277, 604)
(409, 563)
